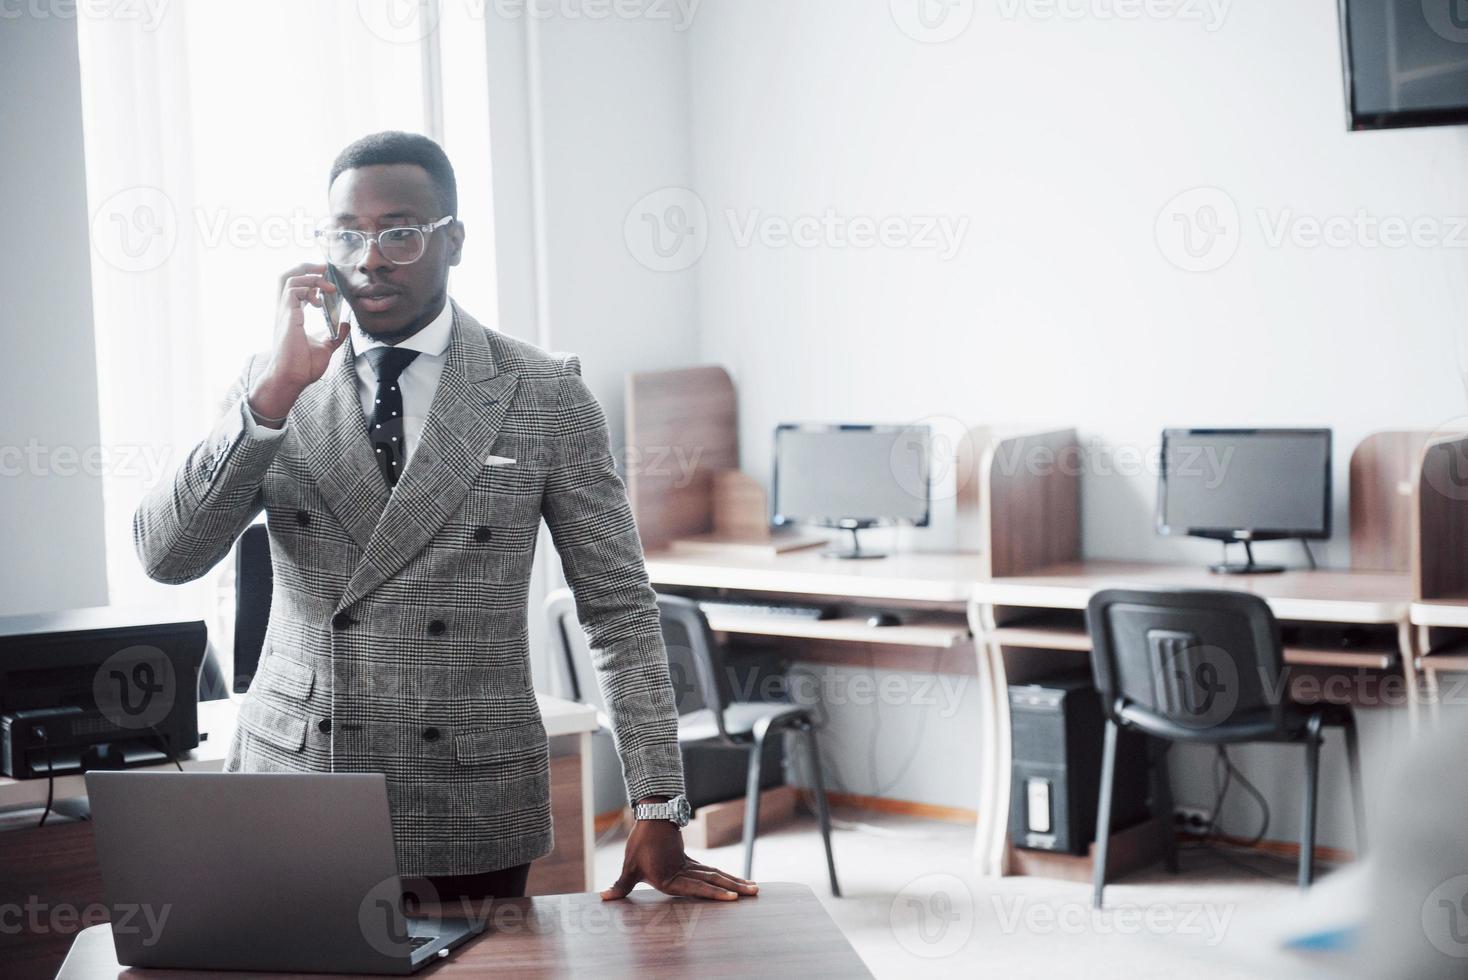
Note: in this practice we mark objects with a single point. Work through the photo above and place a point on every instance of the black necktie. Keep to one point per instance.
(385, 428)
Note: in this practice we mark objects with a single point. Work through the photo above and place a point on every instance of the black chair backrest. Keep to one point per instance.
(254, 581)
(1186, 663)
(695, 661)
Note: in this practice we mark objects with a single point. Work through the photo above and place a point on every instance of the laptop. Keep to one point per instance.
(279, 872)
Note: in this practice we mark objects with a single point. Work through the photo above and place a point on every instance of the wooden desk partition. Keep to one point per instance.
(1441, 527)
(682, 429)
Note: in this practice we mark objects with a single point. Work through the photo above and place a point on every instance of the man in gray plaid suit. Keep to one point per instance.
(404, 464)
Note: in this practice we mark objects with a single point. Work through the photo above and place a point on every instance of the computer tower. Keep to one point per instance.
(1057, 735)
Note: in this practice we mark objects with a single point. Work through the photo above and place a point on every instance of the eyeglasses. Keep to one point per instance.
(400, 246)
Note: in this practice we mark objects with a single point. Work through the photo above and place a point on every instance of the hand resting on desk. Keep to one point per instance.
(655, 855)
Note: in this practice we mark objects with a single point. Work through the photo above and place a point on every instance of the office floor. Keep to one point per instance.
(914, 908)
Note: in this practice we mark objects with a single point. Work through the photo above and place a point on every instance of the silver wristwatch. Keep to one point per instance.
(677, 810)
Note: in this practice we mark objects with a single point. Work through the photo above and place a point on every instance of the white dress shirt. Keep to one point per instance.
(419, 380)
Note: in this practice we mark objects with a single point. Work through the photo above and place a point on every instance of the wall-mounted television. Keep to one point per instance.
(1406, 62)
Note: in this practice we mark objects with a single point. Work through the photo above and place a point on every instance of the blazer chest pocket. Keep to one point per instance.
(489, 744)
(288, 677)
(272, 725)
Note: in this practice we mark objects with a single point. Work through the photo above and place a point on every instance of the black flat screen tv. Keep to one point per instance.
(1406, 62)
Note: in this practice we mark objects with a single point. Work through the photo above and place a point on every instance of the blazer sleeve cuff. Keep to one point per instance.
(656, 770)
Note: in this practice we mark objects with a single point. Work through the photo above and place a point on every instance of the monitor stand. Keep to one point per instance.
(854, 551)
(1248, 567)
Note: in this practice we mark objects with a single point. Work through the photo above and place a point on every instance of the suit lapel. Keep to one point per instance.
(473, 397)
(340, 455)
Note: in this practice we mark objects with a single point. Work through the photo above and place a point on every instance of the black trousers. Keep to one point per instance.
(504, 883)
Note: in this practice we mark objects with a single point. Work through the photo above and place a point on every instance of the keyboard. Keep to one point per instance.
(772, 610)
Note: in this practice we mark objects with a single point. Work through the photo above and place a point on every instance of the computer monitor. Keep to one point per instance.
(1245, 485)
(851, 477)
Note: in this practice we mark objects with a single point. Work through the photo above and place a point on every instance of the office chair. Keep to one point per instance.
(1206, 667)
(708, 713)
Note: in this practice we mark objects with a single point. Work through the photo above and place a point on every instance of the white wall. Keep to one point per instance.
(588, 115)
(1061, 140)
(50, 483)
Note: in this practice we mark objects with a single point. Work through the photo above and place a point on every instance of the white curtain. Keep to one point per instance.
(210, 130)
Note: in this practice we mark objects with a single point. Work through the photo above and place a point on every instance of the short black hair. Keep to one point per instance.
(398, 147)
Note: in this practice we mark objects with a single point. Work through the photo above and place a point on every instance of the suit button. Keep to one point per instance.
(430, 734)
(324, 726)
(341, 621)
(481, 534)
(303, 518)
(437, 627)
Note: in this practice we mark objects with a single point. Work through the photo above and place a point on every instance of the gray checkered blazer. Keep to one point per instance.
(397, 640)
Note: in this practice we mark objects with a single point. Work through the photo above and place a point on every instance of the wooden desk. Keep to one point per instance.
(1020, 627)
(784, 932)
(58, 865)
(1022, 621)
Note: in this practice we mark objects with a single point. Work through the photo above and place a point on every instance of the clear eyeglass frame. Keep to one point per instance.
(346, 246)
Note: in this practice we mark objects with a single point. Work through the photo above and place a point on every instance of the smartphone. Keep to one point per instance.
(331, 304)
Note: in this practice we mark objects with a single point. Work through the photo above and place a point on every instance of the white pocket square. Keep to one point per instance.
(499, 461)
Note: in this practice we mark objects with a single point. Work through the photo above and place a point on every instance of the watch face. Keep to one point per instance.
(683, 812)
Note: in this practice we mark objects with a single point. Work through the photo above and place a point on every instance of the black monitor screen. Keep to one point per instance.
(847, 475)
(1406, 62)
(1234, 483)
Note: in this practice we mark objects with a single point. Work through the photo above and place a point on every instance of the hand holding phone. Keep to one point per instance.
(331, 305)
